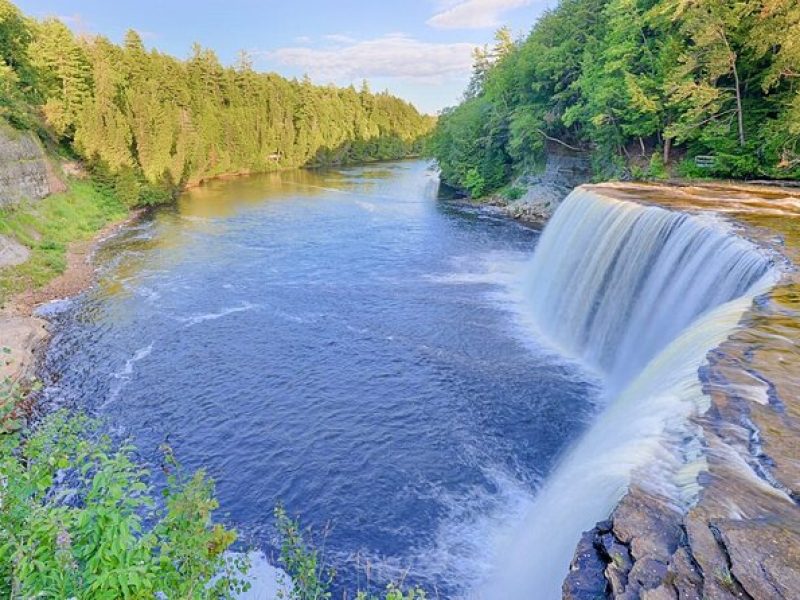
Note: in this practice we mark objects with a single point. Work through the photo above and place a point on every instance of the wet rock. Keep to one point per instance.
(619, 562)
(585, 580)
(663, 592)
(686, 579)
(604, 526)
(650, 526)
(647, 574)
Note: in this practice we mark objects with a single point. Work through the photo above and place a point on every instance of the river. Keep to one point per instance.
(338, 341)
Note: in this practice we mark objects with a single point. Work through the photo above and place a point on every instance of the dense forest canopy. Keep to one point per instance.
(641, 85)
(153, 122)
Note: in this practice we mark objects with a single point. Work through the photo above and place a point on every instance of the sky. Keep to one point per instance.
(419, 50)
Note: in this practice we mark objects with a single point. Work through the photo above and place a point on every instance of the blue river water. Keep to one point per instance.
(339, 341)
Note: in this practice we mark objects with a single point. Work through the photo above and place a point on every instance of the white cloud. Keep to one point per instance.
(339, 38)
(393, 55)
(473, 14)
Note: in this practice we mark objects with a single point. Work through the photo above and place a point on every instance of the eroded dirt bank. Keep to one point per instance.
(740, 536)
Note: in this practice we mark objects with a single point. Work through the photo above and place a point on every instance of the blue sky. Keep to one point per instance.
(418, 49)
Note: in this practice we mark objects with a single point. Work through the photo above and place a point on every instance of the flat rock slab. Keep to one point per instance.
(23, 337)
(12, 252)
(764, 556)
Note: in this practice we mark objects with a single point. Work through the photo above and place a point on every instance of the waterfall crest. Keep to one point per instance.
(641, 295)
(614, 282)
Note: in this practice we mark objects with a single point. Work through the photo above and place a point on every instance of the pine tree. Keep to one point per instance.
(65, 74)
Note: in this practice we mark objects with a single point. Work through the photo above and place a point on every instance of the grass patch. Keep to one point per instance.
(48, 226)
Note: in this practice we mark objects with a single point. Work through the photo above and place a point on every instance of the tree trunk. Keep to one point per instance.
(739, 112)
(667, 148)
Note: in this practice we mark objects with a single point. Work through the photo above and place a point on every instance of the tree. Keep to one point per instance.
(64, 74)
(708, 83)
(616, 79)
(774, 38)
(154, 122)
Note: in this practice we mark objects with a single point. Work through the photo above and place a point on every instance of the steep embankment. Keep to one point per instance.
(25, 173)
(734, 530)
(46, 239)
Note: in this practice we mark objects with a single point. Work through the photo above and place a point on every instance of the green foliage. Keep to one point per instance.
(512, 192)
(657, 169)
(152, 119)
(17, 74)
(311, 580)
(475, 183)
(47, 226)
(617, 78)
(77, 520)
(469, 146)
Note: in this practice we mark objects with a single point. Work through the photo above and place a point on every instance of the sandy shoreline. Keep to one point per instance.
(26, 335)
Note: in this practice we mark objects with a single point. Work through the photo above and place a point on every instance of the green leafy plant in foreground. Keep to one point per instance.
(311, 579)
(77, 520)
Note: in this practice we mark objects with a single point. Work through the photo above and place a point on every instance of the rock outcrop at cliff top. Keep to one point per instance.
(26, 173)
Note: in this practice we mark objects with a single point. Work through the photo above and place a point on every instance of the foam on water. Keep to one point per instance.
(123, 377)
(212, 316)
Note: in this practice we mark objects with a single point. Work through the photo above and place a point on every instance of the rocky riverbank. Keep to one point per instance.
(24, 334)
(542, 193)
(740, 536)
(28, 175)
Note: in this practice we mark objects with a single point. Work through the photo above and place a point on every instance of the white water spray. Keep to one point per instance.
(641, 294)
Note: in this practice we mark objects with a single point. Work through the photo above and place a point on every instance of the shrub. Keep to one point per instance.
(512, 192)
(78, 520)
(657, 169)
(475, 183)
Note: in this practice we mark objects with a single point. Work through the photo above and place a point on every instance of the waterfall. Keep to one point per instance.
(614, 282)
(641, 295)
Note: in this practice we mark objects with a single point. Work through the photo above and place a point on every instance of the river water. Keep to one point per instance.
(343, 343)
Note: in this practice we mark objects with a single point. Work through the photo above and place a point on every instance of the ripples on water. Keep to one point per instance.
(338, 341)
